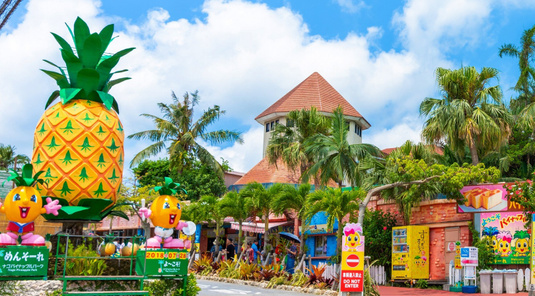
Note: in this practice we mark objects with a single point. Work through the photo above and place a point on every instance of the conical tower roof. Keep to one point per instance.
(314, 91)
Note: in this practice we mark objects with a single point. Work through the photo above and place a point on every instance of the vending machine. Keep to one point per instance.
(410, 252)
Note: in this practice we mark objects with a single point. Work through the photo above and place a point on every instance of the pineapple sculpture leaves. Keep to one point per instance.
(88, 74)
(79, 140)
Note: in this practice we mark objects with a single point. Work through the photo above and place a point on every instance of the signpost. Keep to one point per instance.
(162, 262)
(352, 271)
(24, 261)
(457, 260)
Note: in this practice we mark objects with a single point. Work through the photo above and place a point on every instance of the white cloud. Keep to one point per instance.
(242, 157)
(407, 129)
(242, 56)
(350, 6)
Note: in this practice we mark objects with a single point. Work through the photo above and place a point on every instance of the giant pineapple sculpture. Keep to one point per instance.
(78, 142)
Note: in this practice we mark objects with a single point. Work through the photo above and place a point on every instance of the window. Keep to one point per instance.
(272, 125)
(267, 127)
(289, 123)
(358, 130)
(276, 122)
(320, 246)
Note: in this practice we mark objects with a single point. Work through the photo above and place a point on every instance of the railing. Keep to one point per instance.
(66, 259)
(522, 279)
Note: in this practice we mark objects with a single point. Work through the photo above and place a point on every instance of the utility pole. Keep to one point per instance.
(6, 10)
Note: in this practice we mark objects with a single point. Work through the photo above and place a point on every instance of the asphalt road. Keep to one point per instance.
(209, 288)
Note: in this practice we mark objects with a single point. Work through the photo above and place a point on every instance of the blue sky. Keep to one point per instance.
(245, 55)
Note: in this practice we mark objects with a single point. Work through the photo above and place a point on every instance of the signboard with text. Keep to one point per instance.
(469, 256)
(23, 261)
(352, 273)
(507, 235)
(162, 262)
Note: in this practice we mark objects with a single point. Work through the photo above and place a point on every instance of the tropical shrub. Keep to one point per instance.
(84, 266)
(203, 265)
(228, 270)
(378, 232)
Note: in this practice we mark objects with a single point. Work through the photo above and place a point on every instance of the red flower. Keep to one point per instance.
(384, 228)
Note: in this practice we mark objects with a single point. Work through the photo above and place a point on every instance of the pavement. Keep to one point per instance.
(396, 291)
(211, 288)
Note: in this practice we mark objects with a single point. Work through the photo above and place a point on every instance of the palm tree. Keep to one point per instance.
(261, 201)
(468, 114)
(208, 209)
(336, 159)
(525, 84)
(295, 199)
(288, 141)
(9, 159)
(337, 204)
(177, 132)
(237, 206)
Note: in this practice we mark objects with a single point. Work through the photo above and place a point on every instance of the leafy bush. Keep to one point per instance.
(421, 284)
(247, 270)
(170, 287)
(203, 265)
(486, 255)
(299, 279)
(84, 266)
(369, 287)
(378, 232)
(228, 270)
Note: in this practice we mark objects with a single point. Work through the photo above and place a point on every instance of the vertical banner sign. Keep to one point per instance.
(352, 275)
(458, 255)
(532, 267)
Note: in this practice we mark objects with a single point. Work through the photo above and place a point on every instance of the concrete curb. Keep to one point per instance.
(264, 284)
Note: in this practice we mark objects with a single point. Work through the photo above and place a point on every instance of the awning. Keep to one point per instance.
(257, 227)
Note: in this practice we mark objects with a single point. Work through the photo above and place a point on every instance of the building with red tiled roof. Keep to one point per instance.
(266, 173)
(316, 92)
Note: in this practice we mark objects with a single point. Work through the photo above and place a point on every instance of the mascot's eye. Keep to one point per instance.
(525, 245)
(178, 206)
(16, 197)
(348, 238)
(166, 205)
(33, 198)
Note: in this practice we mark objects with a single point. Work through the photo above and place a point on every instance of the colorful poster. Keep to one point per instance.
(507, 236)
(532, 265)
(484, 198)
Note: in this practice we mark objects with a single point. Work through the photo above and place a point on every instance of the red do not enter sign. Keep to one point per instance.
(353, 260)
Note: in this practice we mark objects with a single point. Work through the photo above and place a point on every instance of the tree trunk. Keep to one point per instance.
(266, 229)
(240, 234)
(339, 237)
(216, 252)
(146, 228)
(473, 152)
(73, 228)
(111, 224)
(302, 237)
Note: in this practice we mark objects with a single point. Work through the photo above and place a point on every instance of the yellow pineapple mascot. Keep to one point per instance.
(165, 212)
(79, 140)
(22, 206)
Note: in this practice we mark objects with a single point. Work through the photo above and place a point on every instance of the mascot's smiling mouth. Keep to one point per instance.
(172, 219)
(24, 211)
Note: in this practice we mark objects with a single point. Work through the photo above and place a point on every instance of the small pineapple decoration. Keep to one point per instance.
(78, 142)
